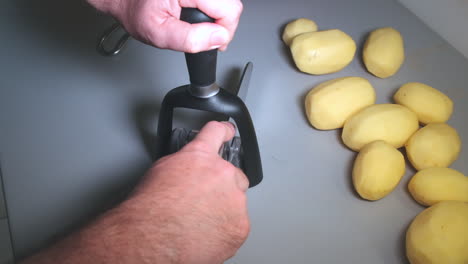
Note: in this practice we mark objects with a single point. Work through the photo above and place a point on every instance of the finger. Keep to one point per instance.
(242, 180)
(211, 137)
(189, 38)
(225, 12)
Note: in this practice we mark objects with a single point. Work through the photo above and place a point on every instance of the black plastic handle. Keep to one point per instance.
(202, 65)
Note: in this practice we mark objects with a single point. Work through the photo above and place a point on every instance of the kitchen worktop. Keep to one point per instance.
(76, 128)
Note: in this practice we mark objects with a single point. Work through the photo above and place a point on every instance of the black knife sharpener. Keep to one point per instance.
(204, 94)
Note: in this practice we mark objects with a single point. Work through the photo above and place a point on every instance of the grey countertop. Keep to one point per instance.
(3, 213)
(76, 127)
(6, 253)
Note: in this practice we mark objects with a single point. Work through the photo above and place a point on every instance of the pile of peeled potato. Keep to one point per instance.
(439, 234)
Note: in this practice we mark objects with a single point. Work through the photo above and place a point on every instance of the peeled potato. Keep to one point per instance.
(439, 234)
(429, 104)
(432, 185)
(322, 52)
(435, 145)
(391, 123)
(377, 170)
(297, 27)
(383, 52)
(331, 103)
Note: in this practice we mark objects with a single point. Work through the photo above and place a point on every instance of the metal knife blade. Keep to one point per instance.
(240, 89)
(244, 81)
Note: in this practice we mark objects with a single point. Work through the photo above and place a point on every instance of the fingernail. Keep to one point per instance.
(215, 47)
(231, 125)
(223, 48)
(218, 38)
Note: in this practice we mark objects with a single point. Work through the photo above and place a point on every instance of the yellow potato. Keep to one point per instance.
(383, 52)
(429, 104)
(435, 145)
(439, 234)
(377, 170)
(331, 103)
(297, 27)
(432, 185)
(391, 123)
(322, 52)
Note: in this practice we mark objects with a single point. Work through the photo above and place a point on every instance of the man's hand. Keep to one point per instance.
(198, 198)
(189, 208)
(156, 22)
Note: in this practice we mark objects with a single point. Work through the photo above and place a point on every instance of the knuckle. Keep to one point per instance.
(189, 43)
(241, 225)
(241, 230)
(244, 228)
(242, 176)
(194, 40)
(226, 168)
(239, 7)
(191, 47)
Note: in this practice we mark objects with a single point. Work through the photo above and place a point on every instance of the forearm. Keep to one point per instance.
(108, 240)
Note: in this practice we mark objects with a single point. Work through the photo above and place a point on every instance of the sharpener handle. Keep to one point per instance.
(202, 65)
(224, 103)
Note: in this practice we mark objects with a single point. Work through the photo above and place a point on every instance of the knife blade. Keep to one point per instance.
(243, 86)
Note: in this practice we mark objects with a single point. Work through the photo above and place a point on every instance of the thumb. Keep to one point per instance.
(193, 38)
(205, 36)
(211, 137)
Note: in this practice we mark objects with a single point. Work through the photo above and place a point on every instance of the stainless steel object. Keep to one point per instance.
(204, 91)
